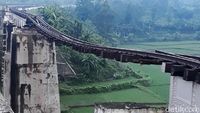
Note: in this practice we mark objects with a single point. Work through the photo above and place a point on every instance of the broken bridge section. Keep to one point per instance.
(34, 76)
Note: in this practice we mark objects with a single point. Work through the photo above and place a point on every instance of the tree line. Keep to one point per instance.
(122, 22)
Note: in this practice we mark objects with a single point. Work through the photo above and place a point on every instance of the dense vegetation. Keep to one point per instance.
(89, 68)
(130, 21)
(122, 22)
(105, 88)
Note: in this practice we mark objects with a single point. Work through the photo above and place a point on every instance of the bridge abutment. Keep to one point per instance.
(33, 75)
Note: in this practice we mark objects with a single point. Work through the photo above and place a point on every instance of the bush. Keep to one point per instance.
(66, 111)
(104, 88)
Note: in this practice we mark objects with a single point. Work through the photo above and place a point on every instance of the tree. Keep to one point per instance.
(88, 67)
(84, 9)
(104, 19)
(128, 17)
(78, 29)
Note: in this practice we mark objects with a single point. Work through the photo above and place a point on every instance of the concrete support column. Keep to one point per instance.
(7, 43)
(4, 106)
(34, 76)
(184, 95)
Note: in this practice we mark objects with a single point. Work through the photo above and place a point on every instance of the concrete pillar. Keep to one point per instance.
(1, 47)
(4, 106)
(184, 92)
(34, 77)
(5, 33)
(184, 95)
(7, 30)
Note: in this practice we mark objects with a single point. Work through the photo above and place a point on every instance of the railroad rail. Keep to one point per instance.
(179, 65)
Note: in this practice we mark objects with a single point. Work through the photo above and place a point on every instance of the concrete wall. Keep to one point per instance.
(149, 110)
(7, 64)
(4, 105)
(184, 95)
(34, 77)
(30, 76)
(126, 108)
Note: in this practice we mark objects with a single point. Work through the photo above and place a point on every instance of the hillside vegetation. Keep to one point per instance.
(89, 68)
(131, 21)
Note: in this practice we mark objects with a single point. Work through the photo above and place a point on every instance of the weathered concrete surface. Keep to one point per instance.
(34, 77)
(126, 108)
(64, 69)
(184, 96)
(4, 105)
(1, 49)
(7, 63)
(12, 18)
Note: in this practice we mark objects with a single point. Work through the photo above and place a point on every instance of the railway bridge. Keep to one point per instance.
(30, 76)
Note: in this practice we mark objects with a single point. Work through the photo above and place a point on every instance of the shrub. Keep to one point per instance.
(104, 88)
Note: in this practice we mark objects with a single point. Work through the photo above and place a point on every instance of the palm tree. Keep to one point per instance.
(92, 65)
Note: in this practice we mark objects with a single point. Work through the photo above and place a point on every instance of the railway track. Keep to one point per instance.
(178, 63)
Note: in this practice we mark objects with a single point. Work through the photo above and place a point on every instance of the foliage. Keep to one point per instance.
(142, 20)
(65, 111)
(104, 88)
(89, 68)
(99, 13)
(132, 95)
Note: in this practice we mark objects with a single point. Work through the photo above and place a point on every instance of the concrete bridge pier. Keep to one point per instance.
(184, 96)
(33, 79)
(184, 88)
(6, 64)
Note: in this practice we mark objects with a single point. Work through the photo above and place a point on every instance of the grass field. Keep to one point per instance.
(160, 80)
(182, 47)
(129, 95)
(157, 92)
(83, 110)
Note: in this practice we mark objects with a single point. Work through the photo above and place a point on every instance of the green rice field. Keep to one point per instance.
(157, 92)
(181, 47)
